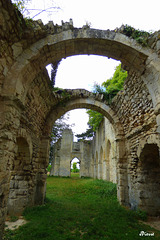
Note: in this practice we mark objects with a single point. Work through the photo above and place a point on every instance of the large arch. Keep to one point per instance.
(68, 42)
(80, 98)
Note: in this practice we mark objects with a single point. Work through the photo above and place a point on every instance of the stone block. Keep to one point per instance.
(23, 184)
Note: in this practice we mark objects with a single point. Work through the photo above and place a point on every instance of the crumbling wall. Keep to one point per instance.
(65, 151)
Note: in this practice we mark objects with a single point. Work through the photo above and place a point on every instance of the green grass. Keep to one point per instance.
(80, 209)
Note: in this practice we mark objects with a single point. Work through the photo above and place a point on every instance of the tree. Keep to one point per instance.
(59, 126)
(115, 84)
(21, 5)
(57, 130)
(95, 118)
(109, 89)
(75, 169)
(88, 134)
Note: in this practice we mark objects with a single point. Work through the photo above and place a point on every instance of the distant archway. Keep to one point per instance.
(70, 42)
(78, 166)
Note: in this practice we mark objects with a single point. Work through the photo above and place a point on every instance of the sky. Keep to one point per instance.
(83, 71)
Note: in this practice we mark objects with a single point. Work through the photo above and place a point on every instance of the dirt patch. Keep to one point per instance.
(153, 222)
(14, 225)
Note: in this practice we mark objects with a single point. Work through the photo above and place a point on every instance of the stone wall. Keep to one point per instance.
(134, 106)
(98, 158)
(65, 150)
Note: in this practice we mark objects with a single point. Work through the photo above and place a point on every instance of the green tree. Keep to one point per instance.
(75, 169)
(115, 84)
(88, 134)
(95, 118)
(109, 89)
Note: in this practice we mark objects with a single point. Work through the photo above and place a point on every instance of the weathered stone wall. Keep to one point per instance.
(98, 158)
(65, 150)
(135, 109)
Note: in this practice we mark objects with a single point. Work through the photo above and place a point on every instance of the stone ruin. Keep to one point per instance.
(29, 108)
(97, 157)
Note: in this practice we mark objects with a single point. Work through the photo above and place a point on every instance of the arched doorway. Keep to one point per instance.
(20, 183)
(75, 167)
(148, 184)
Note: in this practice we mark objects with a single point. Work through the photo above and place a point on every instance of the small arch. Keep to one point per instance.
(20, 177)
(78, 165)
(149, 157)
(148, 185)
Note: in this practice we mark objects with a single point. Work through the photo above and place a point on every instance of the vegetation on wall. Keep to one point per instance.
(139, 35)
(20, 5)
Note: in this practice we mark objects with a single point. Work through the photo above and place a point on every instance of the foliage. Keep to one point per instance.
(75, 169)
(57, 130)
(109, 89)
(140, 36)
(20, 5)
(88, 134)
(77, 209)
(115, 84)
(59, 126)
(49, 168)
(95, 119)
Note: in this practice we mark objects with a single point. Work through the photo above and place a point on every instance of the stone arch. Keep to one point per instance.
(22, 133)
(55, 46)
(86, 101)
(73, 157)
(20, 188)
(148, 178)
(147, 184)
(151, 139)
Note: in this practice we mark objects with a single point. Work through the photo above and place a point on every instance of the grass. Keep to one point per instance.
(80, 209)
